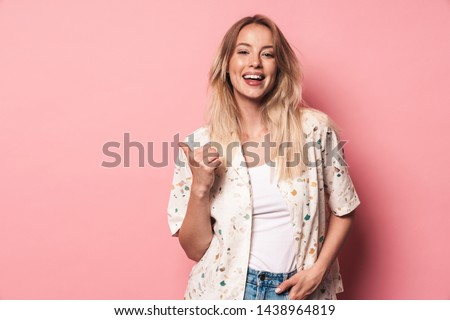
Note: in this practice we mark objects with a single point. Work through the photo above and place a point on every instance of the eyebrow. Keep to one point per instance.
(247, 45)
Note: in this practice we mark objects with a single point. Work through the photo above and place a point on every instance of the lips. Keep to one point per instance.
(253, 79)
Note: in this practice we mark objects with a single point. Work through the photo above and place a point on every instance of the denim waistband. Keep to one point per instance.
(266, 278)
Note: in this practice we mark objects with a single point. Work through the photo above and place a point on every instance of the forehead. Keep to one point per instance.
(255, 34)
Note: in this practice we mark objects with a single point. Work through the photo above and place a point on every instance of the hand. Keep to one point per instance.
(303, 283)
(203, 163)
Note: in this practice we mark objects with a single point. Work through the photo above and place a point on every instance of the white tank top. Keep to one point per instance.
(272, 242)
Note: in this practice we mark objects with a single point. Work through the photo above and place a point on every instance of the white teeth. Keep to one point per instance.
(253, 77)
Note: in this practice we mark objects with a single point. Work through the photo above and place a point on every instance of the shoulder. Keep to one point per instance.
(315, 121)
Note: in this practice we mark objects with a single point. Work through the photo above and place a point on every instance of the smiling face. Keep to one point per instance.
(252, 65)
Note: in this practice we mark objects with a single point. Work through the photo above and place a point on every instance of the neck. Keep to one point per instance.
(252, 124)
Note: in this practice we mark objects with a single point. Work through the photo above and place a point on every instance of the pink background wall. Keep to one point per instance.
(77, 74)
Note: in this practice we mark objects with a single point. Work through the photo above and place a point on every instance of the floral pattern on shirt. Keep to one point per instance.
(322, 190)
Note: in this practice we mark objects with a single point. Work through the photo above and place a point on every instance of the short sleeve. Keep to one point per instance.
(179, 193)
(342, 196)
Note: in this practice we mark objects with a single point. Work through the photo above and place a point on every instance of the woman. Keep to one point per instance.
(266, 203)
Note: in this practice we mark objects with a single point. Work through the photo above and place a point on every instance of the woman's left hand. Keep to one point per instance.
(303, 283)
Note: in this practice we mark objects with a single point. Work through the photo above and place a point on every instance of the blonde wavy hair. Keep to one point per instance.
(281, 107)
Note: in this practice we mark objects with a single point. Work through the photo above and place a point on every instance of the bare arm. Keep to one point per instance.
(338, 231)
(195, 233)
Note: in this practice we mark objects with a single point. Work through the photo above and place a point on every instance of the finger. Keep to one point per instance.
(209, 148)
(285, 285)
(299, 296)
(209, 152)
(188, 153)
(210, 158)
(215, 163)
(212, 153)
(204, 158)
(185, 148)
(213, 150)
(296, 293)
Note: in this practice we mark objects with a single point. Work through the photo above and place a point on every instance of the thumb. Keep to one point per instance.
(285, 285)
(185, 147)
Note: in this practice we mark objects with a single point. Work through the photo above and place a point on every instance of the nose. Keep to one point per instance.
(255, 61)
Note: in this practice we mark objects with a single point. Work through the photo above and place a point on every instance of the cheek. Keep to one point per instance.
(237, 63)
(273, 69)
(273, 80)
(273, 74)
(234, 78)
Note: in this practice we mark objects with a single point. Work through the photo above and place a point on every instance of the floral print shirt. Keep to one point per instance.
(321, 190)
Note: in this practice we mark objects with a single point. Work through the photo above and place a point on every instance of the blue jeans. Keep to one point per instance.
(261, 285)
